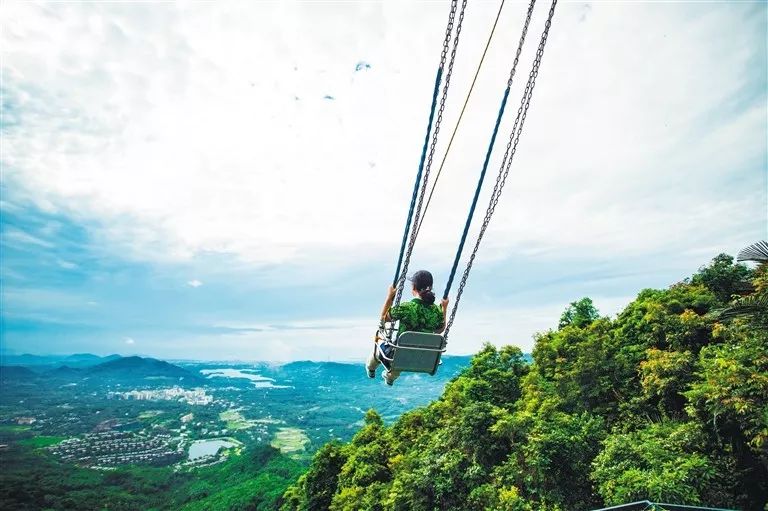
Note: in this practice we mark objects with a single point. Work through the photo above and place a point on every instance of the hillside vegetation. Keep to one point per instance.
(668, 402)
(30, 480)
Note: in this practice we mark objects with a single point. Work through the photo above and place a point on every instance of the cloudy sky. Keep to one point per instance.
(230, 180)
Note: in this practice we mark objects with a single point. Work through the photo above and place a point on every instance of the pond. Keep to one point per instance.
(257, 380)
(200, 448)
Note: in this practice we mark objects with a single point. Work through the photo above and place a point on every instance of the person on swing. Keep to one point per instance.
(419, 315)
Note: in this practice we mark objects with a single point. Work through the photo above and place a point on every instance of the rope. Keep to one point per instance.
(506, 163)
(428, 166)
(471, 214)
(461, 116)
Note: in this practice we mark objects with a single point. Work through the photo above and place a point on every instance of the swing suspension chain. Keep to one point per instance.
(461, 116)
(427, 168)
(449, 30)
(489, 151)
(521, 42)
(506, 163)
(435, 93)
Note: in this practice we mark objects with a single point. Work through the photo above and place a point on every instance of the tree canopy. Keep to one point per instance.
(668, 401)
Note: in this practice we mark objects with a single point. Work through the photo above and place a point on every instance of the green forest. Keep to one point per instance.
(668, 401)
(254, 481)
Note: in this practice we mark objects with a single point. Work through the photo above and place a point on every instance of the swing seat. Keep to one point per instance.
(418, 352)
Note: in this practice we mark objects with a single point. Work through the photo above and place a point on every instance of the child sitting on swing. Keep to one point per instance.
(419, 315)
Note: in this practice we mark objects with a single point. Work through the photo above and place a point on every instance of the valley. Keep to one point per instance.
(143, 411)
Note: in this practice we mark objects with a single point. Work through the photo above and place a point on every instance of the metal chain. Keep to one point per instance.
(506, 163)
(443, 98)
(448, 31)
(491, 144)
(521, 42)
(435, 93)
(461, 116)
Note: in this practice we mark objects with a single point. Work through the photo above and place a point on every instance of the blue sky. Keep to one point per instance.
(228, 182)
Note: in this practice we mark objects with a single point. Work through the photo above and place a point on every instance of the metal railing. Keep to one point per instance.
(646, 505)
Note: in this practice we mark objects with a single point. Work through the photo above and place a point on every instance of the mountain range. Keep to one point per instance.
(86, 365)
(75, 360)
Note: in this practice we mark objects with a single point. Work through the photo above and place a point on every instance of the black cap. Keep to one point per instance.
(422, 280)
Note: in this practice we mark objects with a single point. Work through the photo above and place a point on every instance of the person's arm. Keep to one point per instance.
(388, 303)
(444, 307)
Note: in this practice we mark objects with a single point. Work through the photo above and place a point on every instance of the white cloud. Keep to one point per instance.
(194, 283)
(194, 128)
(67, 265)
(129, 340)
(21, 237)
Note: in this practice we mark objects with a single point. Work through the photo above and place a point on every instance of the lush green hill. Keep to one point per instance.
(16, 373)
(668, 401)
(252, 481)
(43, 361)
(138, 367)
(86, 358)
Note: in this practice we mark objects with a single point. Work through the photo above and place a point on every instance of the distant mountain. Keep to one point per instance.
(30, 360)
(448, 361)
(84, 357)
(138, 367)
(65, 372)
(114, 368)
(301, 365)
(76, 360)
(16, 373)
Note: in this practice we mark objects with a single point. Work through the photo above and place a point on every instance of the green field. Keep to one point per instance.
(150, 414)
(41, 441)
(269, 421)
(235, 420)
(290, 440)
(12, 428)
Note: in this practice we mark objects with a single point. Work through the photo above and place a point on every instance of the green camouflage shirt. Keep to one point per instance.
(415, 316)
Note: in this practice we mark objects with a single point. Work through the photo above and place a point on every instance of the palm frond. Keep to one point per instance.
(753, 306)
(757, 252)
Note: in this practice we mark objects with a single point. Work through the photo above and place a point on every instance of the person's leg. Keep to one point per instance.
(390, 376)
(372, 363)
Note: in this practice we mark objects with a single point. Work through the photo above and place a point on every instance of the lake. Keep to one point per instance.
(201, 448)
(257, 380)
